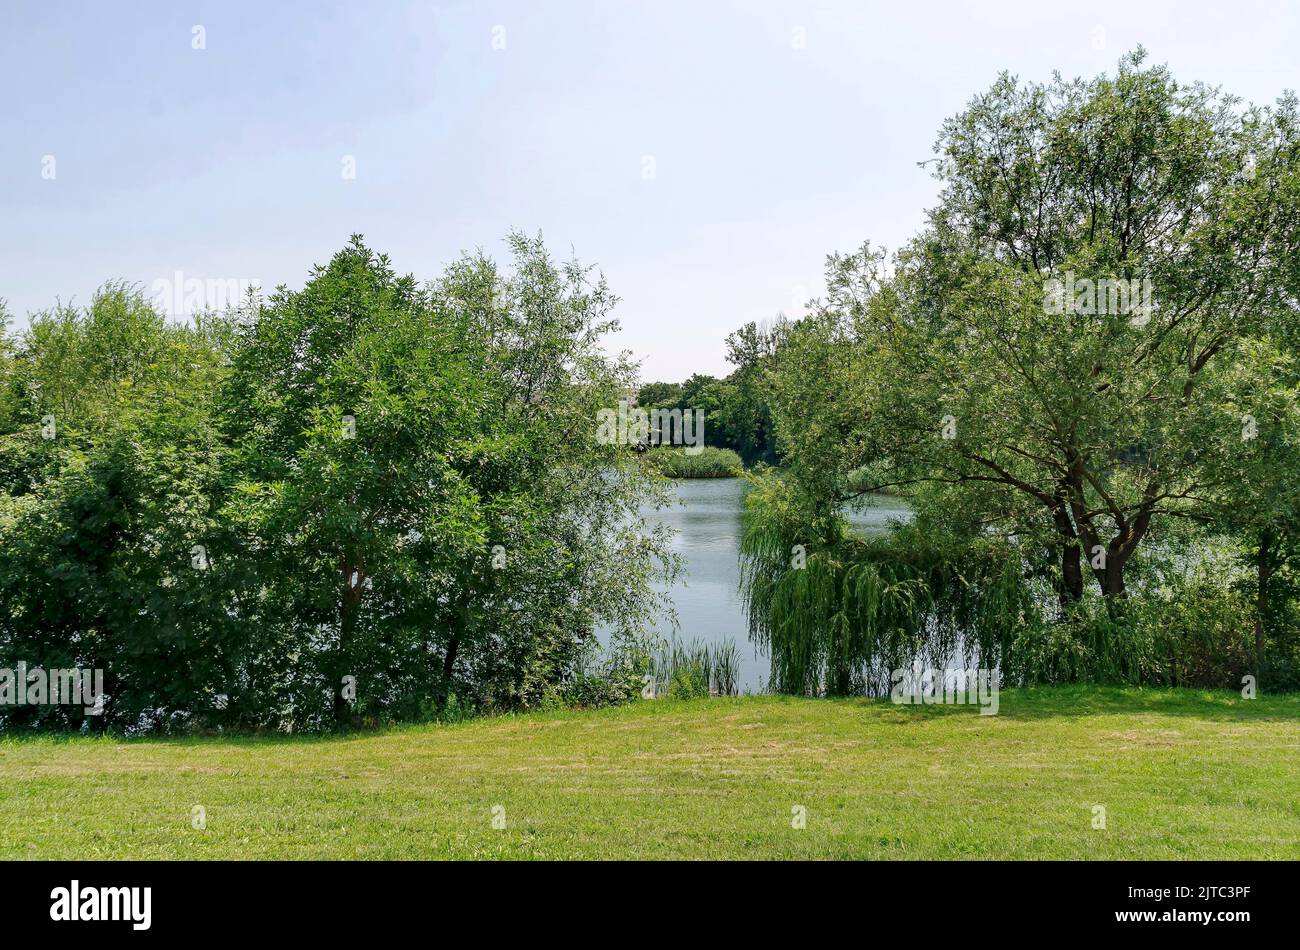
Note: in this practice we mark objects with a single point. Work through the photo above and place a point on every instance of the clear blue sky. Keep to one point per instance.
(768, 153)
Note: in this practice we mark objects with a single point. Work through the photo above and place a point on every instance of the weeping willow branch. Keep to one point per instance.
(838, 614)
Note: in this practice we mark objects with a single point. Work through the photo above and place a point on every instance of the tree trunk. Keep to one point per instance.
(460, 623)
(1113, 583)
(1263, 572)
(349, 606)
(1071, 574)
(1071, 553)
(449, 664)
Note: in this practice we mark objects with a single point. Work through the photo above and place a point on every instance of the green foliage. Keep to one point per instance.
(1088, 442)
(1196, 634)
(837, 613)
(368, 484)
(98, 522)
(696, 670)
(615, 682)
(736, 410)
(707, 463)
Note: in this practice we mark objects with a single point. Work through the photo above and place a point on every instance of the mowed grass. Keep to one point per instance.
(1181, 774)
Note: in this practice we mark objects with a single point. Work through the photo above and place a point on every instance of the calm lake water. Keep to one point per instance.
(707, 599)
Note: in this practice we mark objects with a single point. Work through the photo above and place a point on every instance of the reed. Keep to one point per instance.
(709, 462)
(696, 670)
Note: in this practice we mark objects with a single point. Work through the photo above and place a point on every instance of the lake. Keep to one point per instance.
(707, 525)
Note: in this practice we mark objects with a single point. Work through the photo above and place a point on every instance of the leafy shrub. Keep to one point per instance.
(615, 684)
(1206, 632)
(1091, 642)
(1197, 632)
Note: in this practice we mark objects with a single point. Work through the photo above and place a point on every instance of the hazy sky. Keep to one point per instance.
(706, 155)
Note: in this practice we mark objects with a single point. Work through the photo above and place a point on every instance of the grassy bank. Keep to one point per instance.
(1181, 774)
(709, 462)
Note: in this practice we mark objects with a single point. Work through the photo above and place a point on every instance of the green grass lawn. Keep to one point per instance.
(1181, 774)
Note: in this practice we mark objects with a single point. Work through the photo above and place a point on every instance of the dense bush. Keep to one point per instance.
(613, 685)
(368, 499)
(1198, 635)
(837, 612)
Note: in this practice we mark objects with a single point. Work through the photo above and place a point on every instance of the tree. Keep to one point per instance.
(347, 405)
(745, 413)
(110, 456)
(1011, 356)
(1079, 368)
(369, 497)
(420, 485)
(1259, 502)
(574, 550)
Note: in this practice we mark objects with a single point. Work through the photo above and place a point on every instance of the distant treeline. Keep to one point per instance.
(735, 409)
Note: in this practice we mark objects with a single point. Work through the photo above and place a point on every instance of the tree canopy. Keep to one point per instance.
(1085, 351)
(368, 497)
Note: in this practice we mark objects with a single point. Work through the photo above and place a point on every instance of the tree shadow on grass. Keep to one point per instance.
(250, 738)
(1078, 702)
(1037, 703)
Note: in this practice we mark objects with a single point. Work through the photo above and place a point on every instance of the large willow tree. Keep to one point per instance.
(1071, 424)
(1092, 426)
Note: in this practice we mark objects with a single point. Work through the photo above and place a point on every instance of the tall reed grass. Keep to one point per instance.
(696, 670)
(709, 462)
